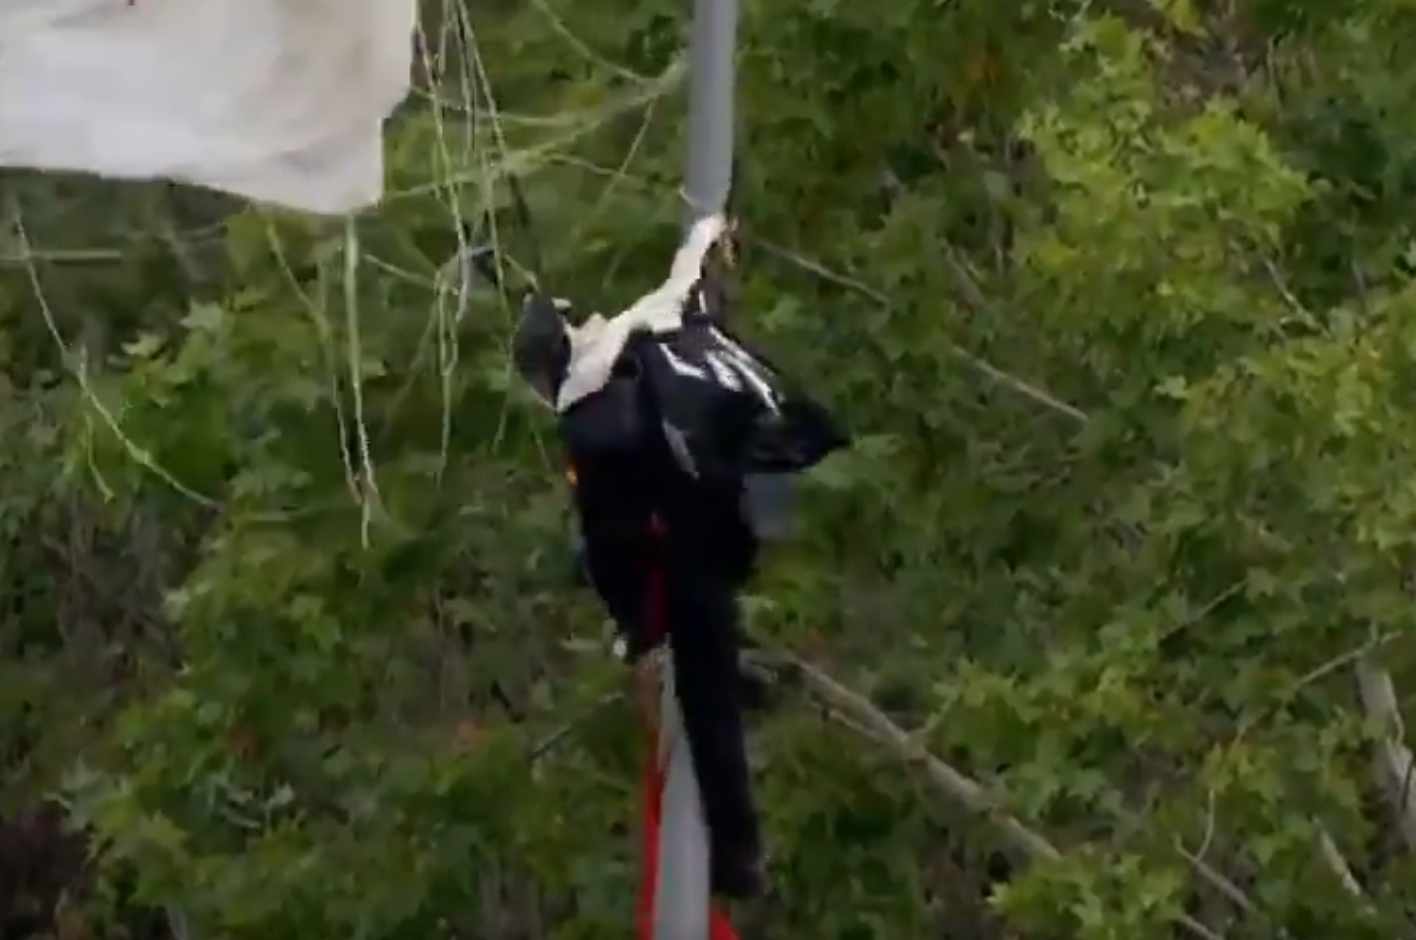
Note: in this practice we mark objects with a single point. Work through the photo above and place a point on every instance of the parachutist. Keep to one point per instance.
(665, 417)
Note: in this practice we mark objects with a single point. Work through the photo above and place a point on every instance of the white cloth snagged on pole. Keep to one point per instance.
(280, 101)
(596, 343)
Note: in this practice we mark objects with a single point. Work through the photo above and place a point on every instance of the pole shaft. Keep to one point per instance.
(709, 162)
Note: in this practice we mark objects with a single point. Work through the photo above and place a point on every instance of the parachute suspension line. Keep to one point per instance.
(484, 82)
(443, 180)
(584, 51)
(369, 487)
(616, 178)
(79, 369)
(325, 333)
(446, 180)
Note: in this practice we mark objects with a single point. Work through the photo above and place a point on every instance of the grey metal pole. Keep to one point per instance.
(708, 174)
(768, 498)
(682, 891)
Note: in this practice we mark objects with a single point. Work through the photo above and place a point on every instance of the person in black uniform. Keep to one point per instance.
(660, 457)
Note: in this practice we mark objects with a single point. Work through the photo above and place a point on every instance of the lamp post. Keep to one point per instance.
(708, 169)
(682, 907)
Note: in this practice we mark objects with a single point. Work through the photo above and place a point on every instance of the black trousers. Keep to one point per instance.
(640, 511)
(703, 623)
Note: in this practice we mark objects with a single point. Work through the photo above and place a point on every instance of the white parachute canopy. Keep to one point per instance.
(279, 101)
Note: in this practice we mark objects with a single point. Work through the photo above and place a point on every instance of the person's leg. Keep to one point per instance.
(702, 618)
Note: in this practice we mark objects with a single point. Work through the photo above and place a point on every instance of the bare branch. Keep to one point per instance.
(73, 256)
(1335, 860)
(1321, 672)
(1197, 928)
(965, 791)
(1394, 760)
(1021, 387)
(972, 295)
(76, 364)
(819, 269)
(583, 48)
(551, 741)
(877, 725)
(1282, 287)
(968, 287)
(1226, 887)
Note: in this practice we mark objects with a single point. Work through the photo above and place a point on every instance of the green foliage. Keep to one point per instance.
(1117, 298)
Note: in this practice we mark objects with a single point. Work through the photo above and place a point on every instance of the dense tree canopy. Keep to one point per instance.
(1102, 629)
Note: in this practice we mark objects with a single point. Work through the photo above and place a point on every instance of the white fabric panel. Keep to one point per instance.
(596, 344)
(281, 101)
(681, 894)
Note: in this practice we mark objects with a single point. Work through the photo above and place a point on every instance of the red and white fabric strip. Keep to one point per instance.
(674, 898)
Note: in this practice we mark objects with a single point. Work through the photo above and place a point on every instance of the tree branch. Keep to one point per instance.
(1394, 761)
(1322, 671)
(551, 741)
(965, 791)
(1335, 860)
(1225, 887)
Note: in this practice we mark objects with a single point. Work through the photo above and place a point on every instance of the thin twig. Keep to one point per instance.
(551, 741)
(1210, 607)
(1335, 860)
(401, 273)
(1226, 887)
(525, 160)
(1197, 928)
(846, 721)
(369, 487)
(1360, 280)
(620, 174)
(1021, 387)
(1282, 287)
(1209, 825)
(964, 790)
(1394, 760)
(72, 256)
(1333, 665)
(1024, 388)
(584, 50)
(1326, 669)
(80, 371)
(449, 349)
(812, 266)
(818, 269)
(324, 333)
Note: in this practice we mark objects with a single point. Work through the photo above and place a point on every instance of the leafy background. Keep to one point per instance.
(1101, 630)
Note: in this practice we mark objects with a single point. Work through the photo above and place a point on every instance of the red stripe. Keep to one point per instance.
(719, 927)
(653, 804)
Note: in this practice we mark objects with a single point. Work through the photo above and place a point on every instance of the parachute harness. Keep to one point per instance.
(666, 416)
(669, 421)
